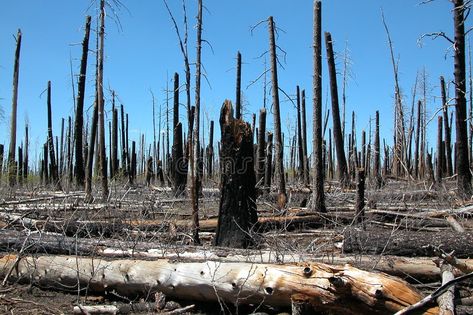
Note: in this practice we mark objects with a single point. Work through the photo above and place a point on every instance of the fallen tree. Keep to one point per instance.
(340, 289)
(406, 243)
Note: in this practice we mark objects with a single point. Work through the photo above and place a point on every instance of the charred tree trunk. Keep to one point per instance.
(25, 158)
(440, 151)
(114, 142)
(377, 155)
(237, 211)
(463, 166)
(318, 196)
(337, 131)
(448, 141)
(45, 164)
(210, 150)
(2, 149)
(20, 165)
(360, 195)
(300, 149)
(79, 119)
(304, 140)
(260, 155)
(268, 170)
(52, 156)
(90, 152)
(178, 163)
(101, 110)
(14, 107)
(278, 149)
(238, 88)
(133, 163)
(195, 156)
(124, 142)
(417, 143)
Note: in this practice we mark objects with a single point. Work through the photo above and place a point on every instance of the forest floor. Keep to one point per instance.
(152, 215)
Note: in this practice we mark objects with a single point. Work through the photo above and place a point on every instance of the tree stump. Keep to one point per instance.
(237, 211)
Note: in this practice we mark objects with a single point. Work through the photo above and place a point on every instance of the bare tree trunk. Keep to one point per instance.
(124, 141)
(100, 101)
(14, 106)
(304, 140)
(25, 163)
(360, 195)
(318, 196)
(299, 137)
(377, 155)
(260, 155)
(268, 163)
(440, 151)
(237, 211)
(210, 151)
(61, 151)
(2, 149)
(417, 144)
(337, 132)
(90, 157)
(278, 149)
(195, 160)
(52, 156)
(448, 148)
(79, 118)
(463, 166)
(238, 88)
(20, 165)
(45, 164)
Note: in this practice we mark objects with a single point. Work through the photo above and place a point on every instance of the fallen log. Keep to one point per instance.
(406, 243)
(412, 269)
(341, 289)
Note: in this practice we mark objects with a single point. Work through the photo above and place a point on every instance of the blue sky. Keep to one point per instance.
(144, 51)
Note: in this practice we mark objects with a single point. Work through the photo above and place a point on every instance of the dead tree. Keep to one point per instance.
(377, 155)
(100, 101)
(14, 106)
(114, 140)
(79, 119)
(440, 151)
(337, 131)
(2, 149)
(210, 151)
(448, 143)
(300, 150)
(260, 154)
(26, 158)
(52, 156)
(463, 166)
(360, 195)
(268, 169)
(304, 140)
(318, 196)
(238, 88)
(417, 143)
(278, 149)
(237, 211)
(20, 165)
(195, 161)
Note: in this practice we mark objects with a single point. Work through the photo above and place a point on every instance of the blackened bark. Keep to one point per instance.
(52, 156)
(210, 150)
(448, 138)
(360, 195)
(278, 149)
(79, 119)
(178, 163)
(304, 140)
(25, 159)
(440, 157)
(124, 141)
(20, 164)
(463, 166)
(318, 196)
(337, 131)
(268, 172)
(2, 149)
(133, 163)
(300, 150)
(237, 211)
(90, 155)
(238, 88)
(260, 155)
(11, 152)
(377, 155)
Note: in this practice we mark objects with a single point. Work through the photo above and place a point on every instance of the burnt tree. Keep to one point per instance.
(238, 88)
(260, 154)
(461, 158)
(304, 139)
(14, 106)
(318, 197)
(52, 156)
(237, 211)
(278, 148)
(448, 138)
(337, 131)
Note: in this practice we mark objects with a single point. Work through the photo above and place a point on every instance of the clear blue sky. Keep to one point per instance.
(141, 54)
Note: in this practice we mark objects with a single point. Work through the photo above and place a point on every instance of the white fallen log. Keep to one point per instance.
(244, 283)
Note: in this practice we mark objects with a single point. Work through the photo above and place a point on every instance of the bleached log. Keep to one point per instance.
(445, 301)
(326, 286)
